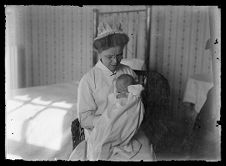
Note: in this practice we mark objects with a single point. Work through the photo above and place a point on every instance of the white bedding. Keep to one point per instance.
(38, 122)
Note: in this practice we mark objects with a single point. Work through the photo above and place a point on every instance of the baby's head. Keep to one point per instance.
(123, 81)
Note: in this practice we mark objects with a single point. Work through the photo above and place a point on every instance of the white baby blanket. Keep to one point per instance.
(114, 129)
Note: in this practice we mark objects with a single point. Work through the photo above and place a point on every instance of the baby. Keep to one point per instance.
(122, 83)
(113, 131)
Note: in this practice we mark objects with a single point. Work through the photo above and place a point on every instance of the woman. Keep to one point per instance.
(98, 83)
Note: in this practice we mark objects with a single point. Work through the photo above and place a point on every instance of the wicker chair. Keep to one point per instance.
(77, 133)
(157, 114)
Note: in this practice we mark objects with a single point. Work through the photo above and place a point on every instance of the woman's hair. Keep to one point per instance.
(109, 41)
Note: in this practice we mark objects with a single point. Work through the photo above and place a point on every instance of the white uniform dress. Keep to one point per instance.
(93, 91)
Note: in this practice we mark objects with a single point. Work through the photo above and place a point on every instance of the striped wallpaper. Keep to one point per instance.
(178, 40)
(57, 42)
(63, 43)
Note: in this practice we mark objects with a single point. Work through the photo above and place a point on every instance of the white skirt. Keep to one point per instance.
(146, 152)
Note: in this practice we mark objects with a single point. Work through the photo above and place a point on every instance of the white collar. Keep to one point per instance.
(104, 68)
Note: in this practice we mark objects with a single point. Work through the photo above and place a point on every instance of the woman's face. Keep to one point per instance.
(112, 57)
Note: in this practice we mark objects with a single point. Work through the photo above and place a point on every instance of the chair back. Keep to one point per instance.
(155, 98)
(156, 93)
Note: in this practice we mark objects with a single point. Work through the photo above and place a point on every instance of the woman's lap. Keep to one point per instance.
(146, 152)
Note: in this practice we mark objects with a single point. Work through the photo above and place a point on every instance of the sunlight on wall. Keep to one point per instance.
(46, 129)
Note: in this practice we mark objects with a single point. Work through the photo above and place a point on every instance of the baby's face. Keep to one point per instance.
(121, 87)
